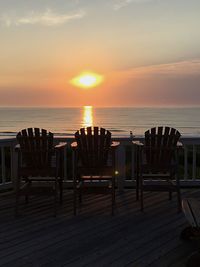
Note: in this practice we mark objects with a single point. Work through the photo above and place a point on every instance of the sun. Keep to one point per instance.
(87, 80)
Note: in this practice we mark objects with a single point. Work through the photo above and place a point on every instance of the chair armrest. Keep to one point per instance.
(17, 147)
(74, 145)
(61, 145)
(137, 143)
(115, 144)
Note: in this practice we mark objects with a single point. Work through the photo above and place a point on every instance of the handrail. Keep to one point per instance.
(189, 161)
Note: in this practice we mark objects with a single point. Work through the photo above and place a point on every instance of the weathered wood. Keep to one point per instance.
(130, 238)
(191, 209)
(157, 161)
(35, 154)
(92, 148)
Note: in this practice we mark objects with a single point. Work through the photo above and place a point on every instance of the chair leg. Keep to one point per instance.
(17, 195)
(141, 199)
(55, 199)
(141, 192)
(74, 198)
(80, 194)
(61, 191)
(137, 173)
(178, 194)
(112, 211)
(74, 194)
(27, 193)
(137, 177)
(81, 190)
(113, 196)
(137, 188)
(179, 200)
(114, 191)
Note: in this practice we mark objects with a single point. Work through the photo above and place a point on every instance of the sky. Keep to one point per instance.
(148, 52)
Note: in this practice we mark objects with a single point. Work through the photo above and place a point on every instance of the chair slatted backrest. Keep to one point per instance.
(36, 147)
(93, 146)
(160, 144)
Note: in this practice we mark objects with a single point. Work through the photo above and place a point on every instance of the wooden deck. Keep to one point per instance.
(94, 237)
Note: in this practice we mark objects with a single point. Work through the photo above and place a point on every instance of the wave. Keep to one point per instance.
(10, 133)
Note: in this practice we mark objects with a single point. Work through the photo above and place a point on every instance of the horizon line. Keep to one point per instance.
(117, 106)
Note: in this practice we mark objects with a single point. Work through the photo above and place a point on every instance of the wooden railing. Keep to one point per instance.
(189, 159)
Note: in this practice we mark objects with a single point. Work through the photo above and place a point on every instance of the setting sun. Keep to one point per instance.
(87, 80)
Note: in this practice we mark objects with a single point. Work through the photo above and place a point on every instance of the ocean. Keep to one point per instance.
(120, 121)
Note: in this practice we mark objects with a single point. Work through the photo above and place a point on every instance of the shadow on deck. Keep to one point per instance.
(94, 237)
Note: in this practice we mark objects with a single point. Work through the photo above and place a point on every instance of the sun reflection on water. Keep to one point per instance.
(87, 116)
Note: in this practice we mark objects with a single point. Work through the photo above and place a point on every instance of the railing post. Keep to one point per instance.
(194, 161)
(121, 163)
(185, 163)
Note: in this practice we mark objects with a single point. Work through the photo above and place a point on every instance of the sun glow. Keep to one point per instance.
(87, 80)
(87, 116)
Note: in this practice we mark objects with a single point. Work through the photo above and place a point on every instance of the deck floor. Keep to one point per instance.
(94, 237)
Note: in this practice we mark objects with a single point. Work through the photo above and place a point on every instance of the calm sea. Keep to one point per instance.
(65, 121)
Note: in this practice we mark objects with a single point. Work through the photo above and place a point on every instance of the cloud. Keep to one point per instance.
(187, 70)
(47, 18)
(157, 85)
(181, 68)
(118, 4)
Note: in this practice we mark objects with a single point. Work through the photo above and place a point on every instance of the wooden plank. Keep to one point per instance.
(129, 238)
(191, 209)
(71, 242)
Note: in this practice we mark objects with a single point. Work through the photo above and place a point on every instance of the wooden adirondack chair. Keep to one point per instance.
(94, 161)
(40, 165)
(158, 162)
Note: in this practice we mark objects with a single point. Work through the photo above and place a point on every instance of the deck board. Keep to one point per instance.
(94, 237)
